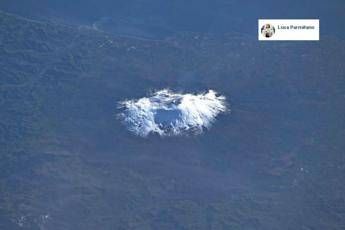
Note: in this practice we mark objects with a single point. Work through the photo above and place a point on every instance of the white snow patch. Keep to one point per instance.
(168, 113)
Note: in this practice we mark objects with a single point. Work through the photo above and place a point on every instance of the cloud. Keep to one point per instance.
(170, 114)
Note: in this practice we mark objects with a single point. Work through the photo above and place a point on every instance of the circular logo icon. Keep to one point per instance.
(267, 30)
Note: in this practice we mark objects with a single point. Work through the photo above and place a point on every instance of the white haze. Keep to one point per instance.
(168, 113)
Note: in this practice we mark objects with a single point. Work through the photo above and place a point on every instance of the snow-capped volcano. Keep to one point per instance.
(168, 113)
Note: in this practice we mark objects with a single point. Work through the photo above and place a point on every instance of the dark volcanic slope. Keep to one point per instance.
(276, 162)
